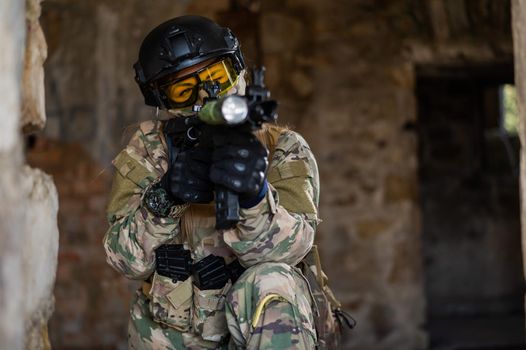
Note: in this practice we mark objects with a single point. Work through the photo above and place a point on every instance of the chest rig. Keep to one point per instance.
(212, 264)
(209, 270)
(212, 271)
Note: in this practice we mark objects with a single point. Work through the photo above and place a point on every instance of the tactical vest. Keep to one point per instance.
(326, 309)
(327, 313)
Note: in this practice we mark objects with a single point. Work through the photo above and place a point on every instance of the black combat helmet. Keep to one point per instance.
(178, 44)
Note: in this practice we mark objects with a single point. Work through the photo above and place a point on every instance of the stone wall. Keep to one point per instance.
(344, 74)
(360, 118)
(28, 212)
(11, 212)
(91, 297)
(91, 96)
(92, 107)
(519, 30)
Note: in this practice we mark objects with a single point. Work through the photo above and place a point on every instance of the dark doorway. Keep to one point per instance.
(468, 171)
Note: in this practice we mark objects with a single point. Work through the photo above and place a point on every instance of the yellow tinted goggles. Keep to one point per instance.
(184, 92)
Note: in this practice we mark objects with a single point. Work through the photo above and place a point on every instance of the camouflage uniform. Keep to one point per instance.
(269, 307)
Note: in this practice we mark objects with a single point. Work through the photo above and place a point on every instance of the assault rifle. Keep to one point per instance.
(244, 113)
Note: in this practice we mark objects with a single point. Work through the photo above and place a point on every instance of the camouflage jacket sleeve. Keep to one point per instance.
(134, 232)
(281, 227)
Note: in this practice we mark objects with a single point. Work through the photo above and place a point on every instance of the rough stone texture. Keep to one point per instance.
(28, 225)
(360, 120)
(33, 107)
(344, 73)
(92, 105)
(91, 95)
(12, 34)
(519, 42)
(40, 247)
(11, 287)
(39, 254)
(92, 299)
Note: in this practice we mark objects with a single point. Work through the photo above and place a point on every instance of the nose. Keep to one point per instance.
(212, 88)
(208, 89)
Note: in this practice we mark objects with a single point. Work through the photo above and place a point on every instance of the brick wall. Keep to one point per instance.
(92, 299)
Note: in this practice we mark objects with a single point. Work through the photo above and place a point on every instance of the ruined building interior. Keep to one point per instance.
(408, 105)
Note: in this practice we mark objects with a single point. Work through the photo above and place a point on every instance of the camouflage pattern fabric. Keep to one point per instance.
(269, 306)
(134, 232)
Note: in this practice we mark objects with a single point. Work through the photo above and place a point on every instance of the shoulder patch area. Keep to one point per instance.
(144, 158)
(290, 139)
(130, 168)
(290, 169)
(293, 173)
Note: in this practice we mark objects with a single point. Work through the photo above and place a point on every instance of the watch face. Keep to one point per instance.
(158, 202)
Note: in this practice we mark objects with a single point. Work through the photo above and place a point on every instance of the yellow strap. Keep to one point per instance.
(259, 309)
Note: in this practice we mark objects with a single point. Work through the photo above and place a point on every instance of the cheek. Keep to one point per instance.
(232, 91)
(201, 96)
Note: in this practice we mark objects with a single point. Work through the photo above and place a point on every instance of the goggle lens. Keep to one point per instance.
(184, 92)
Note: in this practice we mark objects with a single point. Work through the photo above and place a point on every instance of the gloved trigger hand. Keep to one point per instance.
(239, 162)
(188, 179)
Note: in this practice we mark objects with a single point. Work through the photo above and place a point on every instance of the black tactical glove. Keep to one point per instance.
(188, 179)
(239, 163)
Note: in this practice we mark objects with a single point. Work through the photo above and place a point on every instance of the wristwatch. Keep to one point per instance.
(160, 203)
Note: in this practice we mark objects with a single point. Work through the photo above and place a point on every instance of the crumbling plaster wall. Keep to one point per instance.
(28, 211)
(11, 212)
(519, 37)
(344, 74)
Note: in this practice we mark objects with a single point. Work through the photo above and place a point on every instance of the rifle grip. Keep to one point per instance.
(227, 208)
